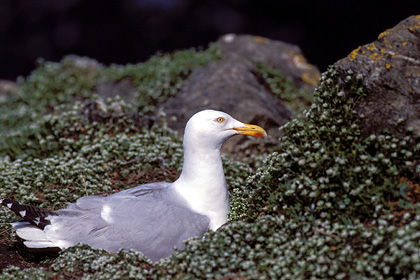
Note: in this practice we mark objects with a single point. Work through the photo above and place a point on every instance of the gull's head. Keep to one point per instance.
(212, 128)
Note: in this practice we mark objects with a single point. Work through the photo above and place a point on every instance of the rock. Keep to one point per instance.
(229, 86)
(287, 58)
(7, 89)
(125, 89)
(391, 70)
(97, 111)
(82, 62)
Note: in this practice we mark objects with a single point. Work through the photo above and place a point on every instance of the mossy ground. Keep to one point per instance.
(329, 204)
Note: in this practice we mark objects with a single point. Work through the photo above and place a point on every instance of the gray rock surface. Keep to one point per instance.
(231, 87)
(391, 70)
(125, 89)
(285, 57)
(7, 89)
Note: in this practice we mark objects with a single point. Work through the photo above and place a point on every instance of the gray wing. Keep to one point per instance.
(151, 219)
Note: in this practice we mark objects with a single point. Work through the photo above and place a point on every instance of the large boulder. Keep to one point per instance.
(288, 58)
(228, 86)
(7, 89)
(390, 67)
(231, 85)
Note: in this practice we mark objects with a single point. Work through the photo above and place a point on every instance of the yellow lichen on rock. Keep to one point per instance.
(311, 78)
(299, 61)
(261, 40)
(385, 33)
(386, 45)
(371, 46)
(353, 55)
(416, 25)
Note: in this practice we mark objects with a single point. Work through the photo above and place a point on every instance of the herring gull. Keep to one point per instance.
(152, 218)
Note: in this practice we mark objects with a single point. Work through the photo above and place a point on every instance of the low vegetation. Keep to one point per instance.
(328, 204)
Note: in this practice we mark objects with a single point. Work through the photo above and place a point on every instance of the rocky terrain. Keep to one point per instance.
(333, 194)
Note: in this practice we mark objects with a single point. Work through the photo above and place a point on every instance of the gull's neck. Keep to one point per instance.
(202, 182)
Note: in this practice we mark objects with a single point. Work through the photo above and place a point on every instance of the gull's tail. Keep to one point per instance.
(32, 214)
(33, 242)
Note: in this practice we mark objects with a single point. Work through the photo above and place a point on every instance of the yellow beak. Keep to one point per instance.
(250, 129)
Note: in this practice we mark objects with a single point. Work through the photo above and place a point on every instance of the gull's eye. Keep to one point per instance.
(220, 120)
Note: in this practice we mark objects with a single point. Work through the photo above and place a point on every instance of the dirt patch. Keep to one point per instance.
(10, 256)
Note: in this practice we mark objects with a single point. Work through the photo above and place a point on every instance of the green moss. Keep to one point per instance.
(273, 248)
(162, 76)
(287, 249)
(14, 272)
(57, 85)
(283, 88)
(329, 204)
(99, 264)
(326, 170)
(90, 158)
(50, 85)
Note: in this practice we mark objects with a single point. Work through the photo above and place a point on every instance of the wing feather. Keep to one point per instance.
(151, 219)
